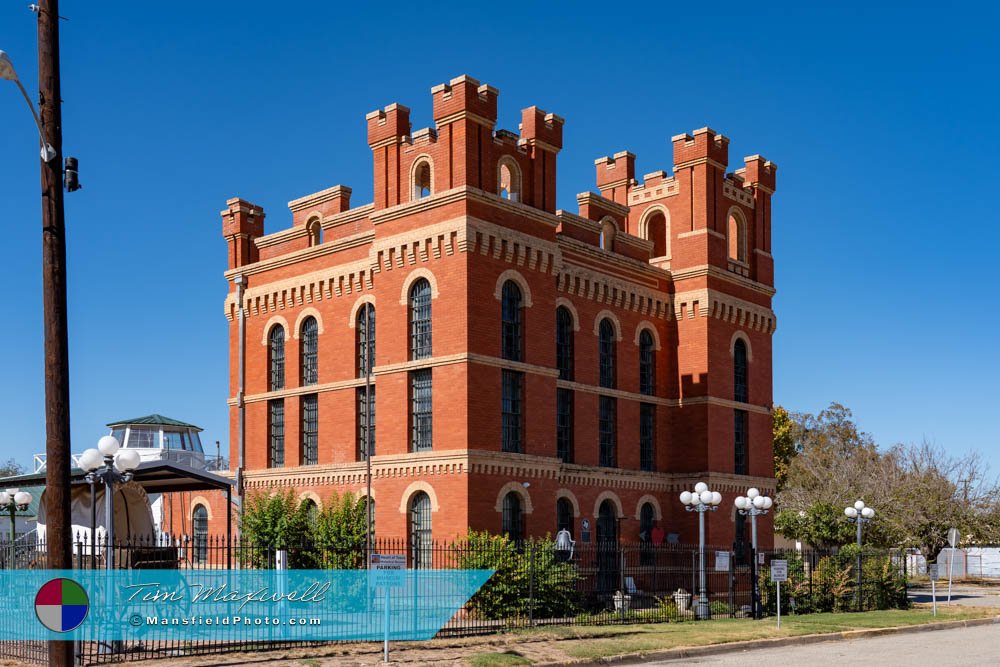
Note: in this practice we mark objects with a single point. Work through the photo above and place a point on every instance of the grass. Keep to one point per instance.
(497, 659)
(593, 642)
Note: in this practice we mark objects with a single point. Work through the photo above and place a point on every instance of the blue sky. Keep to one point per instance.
(883, 122)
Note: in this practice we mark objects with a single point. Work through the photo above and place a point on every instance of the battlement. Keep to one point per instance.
(242, 222)
(464, 98)
(615, 171)
(758, 172)
(540, 128)
(388, 125)
(704, 144)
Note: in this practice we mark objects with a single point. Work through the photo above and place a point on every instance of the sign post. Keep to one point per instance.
(779, 573)
(953, 541)
(388, 574)
(932, 572)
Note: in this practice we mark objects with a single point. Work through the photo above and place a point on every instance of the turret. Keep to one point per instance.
(242, 222)
(616, 176)
(388, 128)
(542, 134)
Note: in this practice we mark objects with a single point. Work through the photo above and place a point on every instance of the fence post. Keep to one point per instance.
(531, 583)
(621, 582)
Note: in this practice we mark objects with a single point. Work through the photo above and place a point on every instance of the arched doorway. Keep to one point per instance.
(607, 547)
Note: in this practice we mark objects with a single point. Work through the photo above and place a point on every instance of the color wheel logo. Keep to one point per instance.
(61, 605)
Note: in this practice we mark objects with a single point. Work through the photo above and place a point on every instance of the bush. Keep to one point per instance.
(526, 574)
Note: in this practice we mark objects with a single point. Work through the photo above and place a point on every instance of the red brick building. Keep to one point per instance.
(533, 367)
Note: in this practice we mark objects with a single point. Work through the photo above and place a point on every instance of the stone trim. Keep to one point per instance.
(738, 194)
(613, 497)
(414, 276)
(707, 270)
(741, 335)
(295, 256)
(657, 513)
(647, 325)
(417, 161)
(307, 312)
(725, 307)
(352, 320)
(568, 495)
(313, 496)
(199, 500)
(519, 489)
(412, 490)
(511, 274)
(607, 314)
(563, 301)
(299, 391)
(317, 198)
(643, 228)
(275, 320)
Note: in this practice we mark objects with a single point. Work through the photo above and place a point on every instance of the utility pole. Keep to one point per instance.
(57, 447)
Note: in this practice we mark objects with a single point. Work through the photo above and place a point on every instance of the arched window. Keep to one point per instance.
(421, 541)
(737, 237)
(656, 231)
(310, 351)
(564, 343)
(420, 319)
(740, 390)
(608, 230)
(509, 180)
(513, 517)
(365, 326)
(564, 515)
(512, 333)
(309, 511)
(315, 231)
(199, 528)
(276, 357)
(606, 353)
(422, 180)
(607, 523)
(608, 558)
(310, 429)
(647, 363)
(646, 520)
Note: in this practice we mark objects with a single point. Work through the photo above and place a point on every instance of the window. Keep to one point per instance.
(740, 391)
(607, 234)
(310, 430)
(363, 420)
(276, 428)
(310, 511)
(276, 357)
(607, 429)
(513, 517)
(564, 425)
(511, 332)
(647, 436)
(564, 343)
(607, 523)
(647, 363)
(509, 181)
(310, 351)
(422, 180)
(315, 231)
(365, 326)
(606, 353)
(420, 319)
(199, 528)
(646, 521)
(742, 465)
(737, 238)
(421, 540)
(740, 545)
(421, 395)
(656, 230)
(512, 411)
(564, 515)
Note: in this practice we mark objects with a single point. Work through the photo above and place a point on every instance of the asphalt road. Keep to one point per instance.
(955, 648)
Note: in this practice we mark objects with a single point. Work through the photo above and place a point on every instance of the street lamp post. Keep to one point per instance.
(860, 515)
(701, 500)
(102, 466)
(11, 501)
(754, 505)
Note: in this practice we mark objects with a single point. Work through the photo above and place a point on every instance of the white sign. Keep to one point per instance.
(722, 561)
(779, 570)
(953, 536)
(932, 572)
(388, 561)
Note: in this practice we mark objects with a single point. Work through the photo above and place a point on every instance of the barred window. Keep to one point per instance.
(310, 430)
(647, 436)
(564, 515)
(647, 517)
(420, 319)
(647, 363)
(606, 349)
(564, 425)
(276, 429)
(365, 326)
(276, 357)
(310, 351)
(564, 343)
(740, 545)
(363, 418)
(512, 335)
(513, 519)
(512, 411)
(421, 399)
(740, 391)
(199, 528)
(421, 536)
(742, 464)
(608, 432)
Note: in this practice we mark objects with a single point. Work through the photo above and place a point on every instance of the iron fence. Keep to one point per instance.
(534, 584)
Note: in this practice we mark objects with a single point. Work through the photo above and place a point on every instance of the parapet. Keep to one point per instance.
(705, 144)
(615, 171)
(541, 128)
(758, 172)
(242, 222)
(325, 202)
(465, 98)
(388, 125)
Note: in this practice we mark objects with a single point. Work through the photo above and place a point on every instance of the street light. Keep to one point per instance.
(11, 501)
(101, 465)
(860, 515)
(753, 505)
(7, 72)
(701, 500)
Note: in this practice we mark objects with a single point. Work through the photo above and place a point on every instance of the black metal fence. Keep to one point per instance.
(534, 584)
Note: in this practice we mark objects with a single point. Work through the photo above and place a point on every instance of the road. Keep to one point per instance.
(956, 648)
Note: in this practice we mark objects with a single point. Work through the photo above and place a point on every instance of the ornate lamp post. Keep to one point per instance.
(102, 466)
(753, 505)
(11, 501)
(860, 515)
(701, 500)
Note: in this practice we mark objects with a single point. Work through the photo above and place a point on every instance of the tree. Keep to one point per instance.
(270, 523)
(339, 533)
(10, 468)
(784, 444)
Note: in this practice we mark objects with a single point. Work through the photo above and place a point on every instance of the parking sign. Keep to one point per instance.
(779, 570)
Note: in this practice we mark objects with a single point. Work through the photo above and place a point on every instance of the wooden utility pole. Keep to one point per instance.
(57, 447)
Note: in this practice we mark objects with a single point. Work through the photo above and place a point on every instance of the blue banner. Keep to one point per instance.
(233, 605)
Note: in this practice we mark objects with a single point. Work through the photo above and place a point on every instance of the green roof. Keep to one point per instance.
(159, 420)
